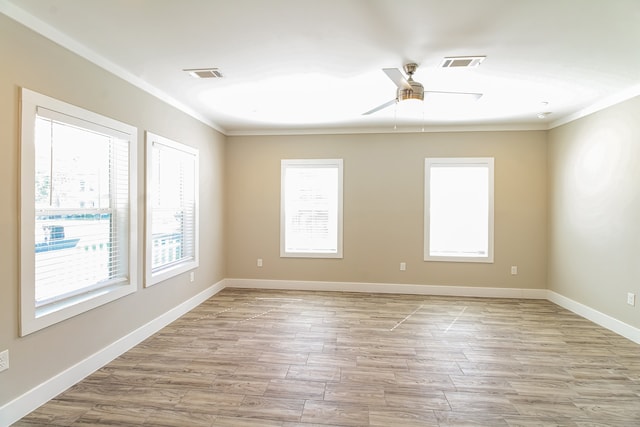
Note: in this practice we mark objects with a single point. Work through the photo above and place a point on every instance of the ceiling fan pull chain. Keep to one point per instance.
(395, 116)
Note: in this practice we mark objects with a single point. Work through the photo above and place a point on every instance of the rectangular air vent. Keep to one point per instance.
(462, 61)
(204, 73)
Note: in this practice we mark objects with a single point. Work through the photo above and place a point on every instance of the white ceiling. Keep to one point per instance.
(294, 66)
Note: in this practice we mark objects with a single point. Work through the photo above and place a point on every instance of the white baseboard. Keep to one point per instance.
(34, 398)
(388, 288)
(604, 320)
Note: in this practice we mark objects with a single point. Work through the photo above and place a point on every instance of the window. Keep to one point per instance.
(458, 209)
(311, 208)
(172, 209)
(78, 216)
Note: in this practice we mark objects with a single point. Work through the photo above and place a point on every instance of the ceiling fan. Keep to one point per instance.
(409, 88)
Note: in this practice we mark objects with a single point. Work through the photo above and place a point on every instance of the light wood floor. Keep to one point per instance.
(289, 358)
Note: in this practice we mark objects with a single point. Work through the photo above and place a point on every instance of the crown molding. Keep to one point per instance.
(388, 130)
(90, 55)
(609, 101)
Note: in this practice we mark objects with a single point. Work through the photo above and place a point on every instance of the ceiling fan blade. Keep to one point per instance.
(475, 96)
(380, 107)
(397, 77)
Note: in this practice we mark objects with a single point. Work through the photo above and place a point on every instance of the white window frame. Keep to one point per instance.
(311, 163)
(157, 275)
(34, 318)
(487, 162)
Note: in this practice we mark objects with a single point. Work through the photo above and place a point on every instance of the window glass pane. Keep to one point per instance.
(72, 166)
(459, 209)
(73, 254)
(311, 208)
(173, 205)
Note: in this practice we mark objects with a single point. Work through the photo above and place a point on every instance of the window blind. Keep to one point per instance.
(172, 209)
(81, 208)
(173, 205)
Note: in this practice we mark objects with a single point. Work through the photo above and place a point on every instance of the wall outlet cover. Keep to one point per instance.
(4, 360)
(631, 299)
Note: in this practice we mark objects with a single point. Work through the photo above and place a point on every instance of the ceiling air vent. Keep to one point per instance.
(204, 73)
(462, 61)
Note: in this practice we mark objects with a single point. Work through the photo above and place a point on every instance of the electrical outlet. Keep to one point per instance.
(403, 266)
(192, 276)
(631, 299)
(259, 263)
(514, 270)
(4, 360)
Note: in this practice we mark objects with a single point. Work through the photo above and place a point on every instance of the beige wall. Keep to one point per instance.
(594, 210)
(29, 60)
(383, 208)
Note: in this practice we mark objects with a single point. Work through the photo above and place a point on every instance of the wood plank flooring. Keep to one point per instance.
(291, 358)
